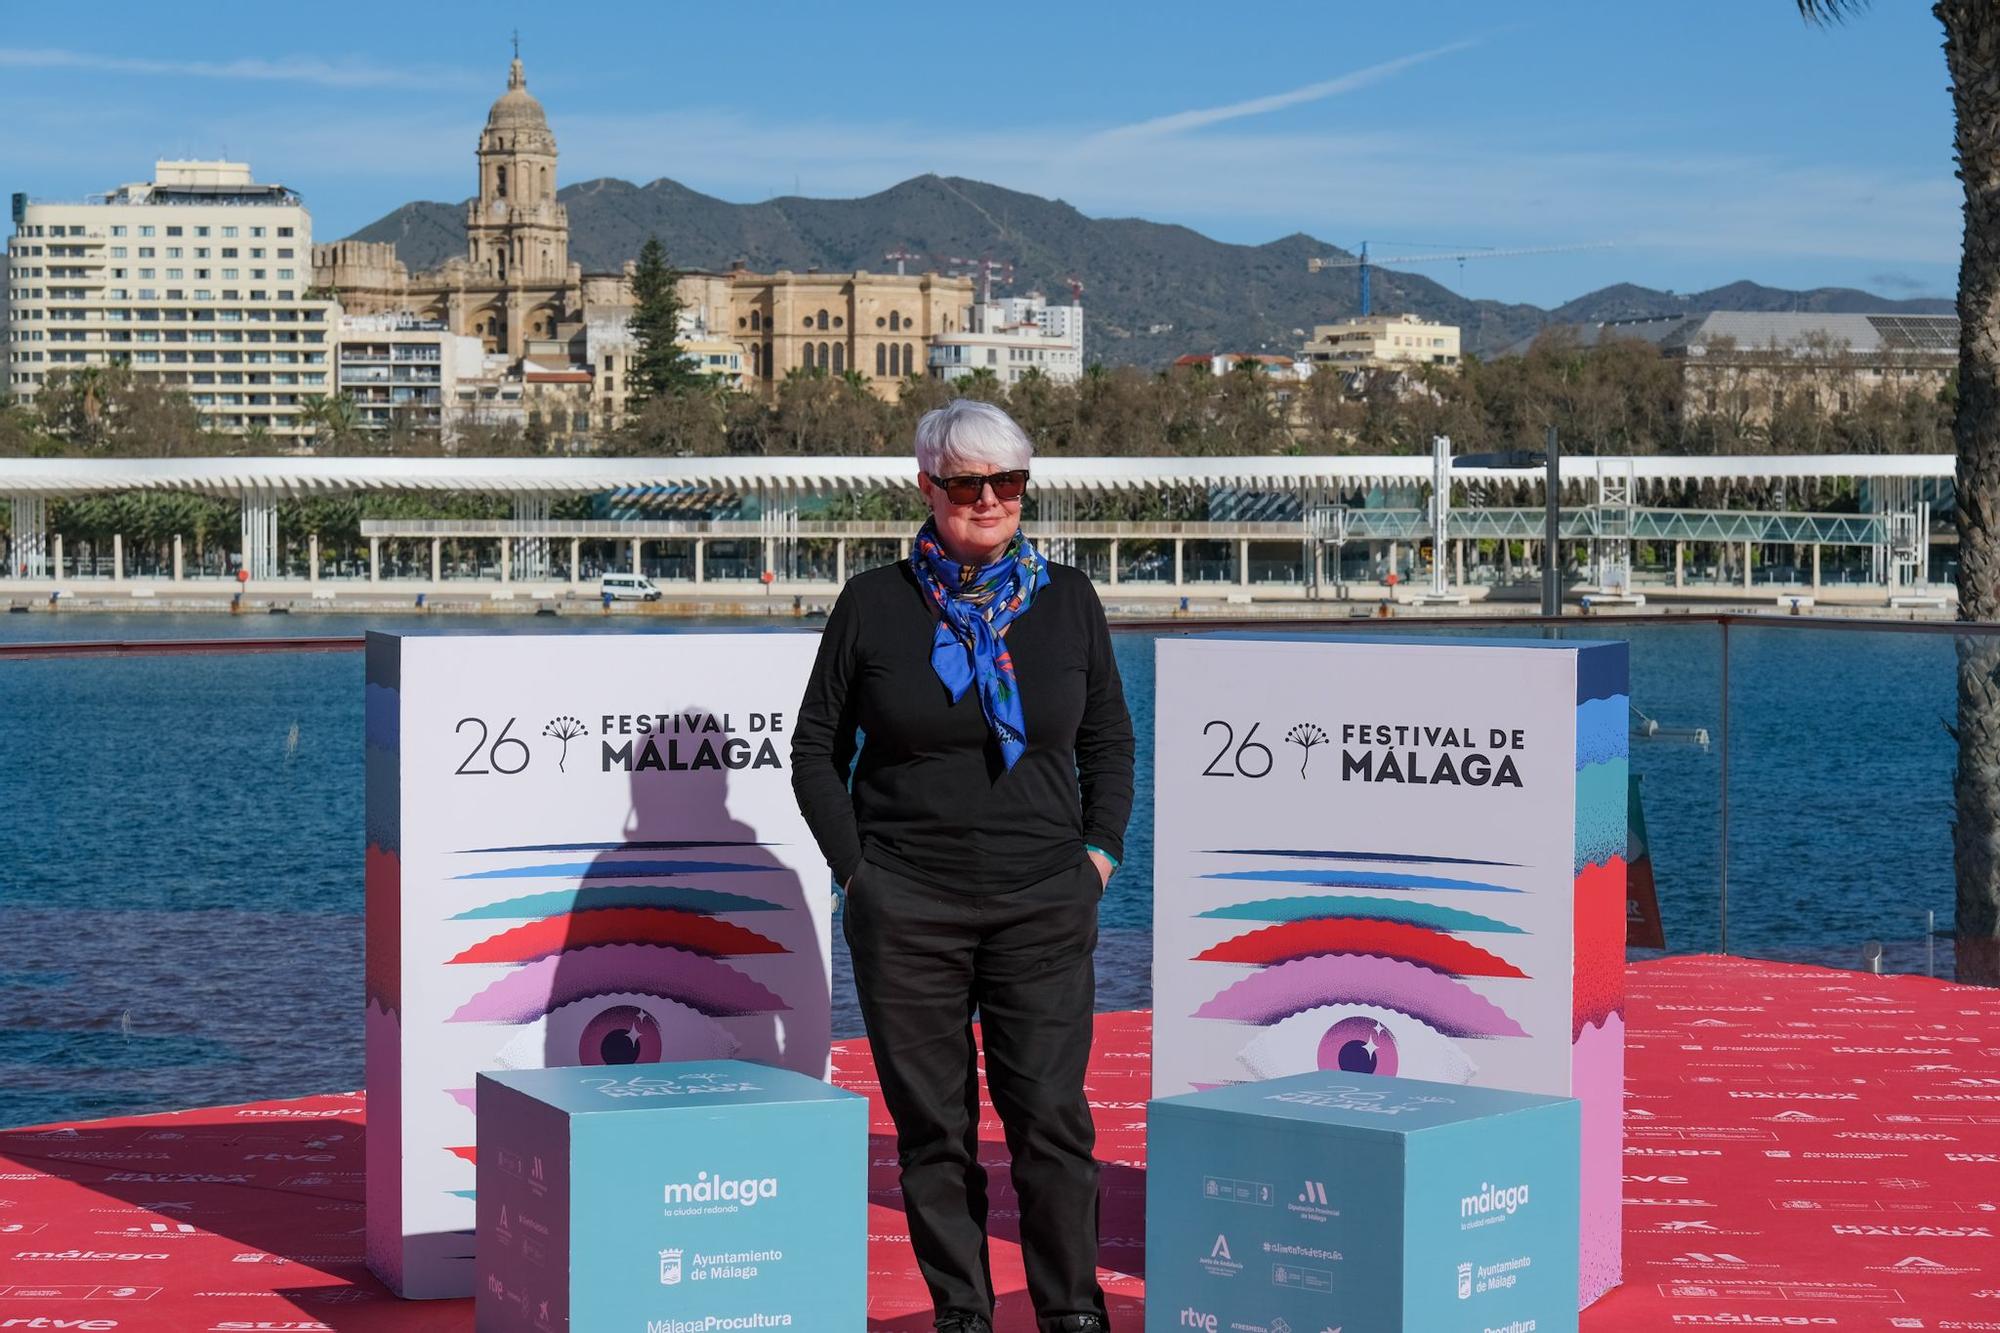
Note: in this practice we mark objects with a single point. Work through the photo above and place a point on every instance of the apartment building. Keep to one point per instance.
(1011, 337)
(401, 371)
(198, 278)
(1383, 342)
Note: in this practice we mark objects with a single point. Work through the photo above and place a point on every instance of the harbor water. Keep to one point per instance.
(181, 843)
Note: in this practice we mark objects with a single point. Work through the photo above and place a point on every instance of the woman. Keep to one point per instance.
(986, 814)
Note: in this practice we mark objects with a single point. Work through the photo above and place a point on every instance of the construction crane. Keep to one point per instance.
(1364, 263)
(988, 270)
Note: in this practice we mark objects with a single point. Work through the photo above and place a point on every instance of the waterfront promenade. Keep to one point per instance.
(754, 601)
(1765, 531)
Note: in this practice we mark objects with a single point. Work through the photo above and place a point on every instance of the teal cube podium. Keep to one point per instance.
(1367, 1204)
(670, 1198)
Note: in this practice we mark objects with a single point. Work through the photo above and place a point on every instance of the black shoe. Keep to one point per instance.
(1082, 1323)
(956, 1322)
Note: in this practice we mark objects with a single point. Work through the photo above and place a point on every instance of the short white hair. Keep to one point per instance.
(967, 431)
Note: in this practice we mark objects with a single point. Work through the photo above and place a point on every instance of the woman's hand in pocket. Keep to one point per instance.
(1104, 868)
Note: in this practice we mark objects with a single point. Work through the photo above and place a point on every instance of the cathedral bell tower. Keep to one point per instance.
(517, 234)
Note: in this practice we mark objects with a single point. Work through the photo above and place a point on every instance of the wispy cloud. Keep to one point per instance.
(1680, 216)
(1720, 202)
(288, 69)
(1723, 207)
(1181, 121)
(1902, 283)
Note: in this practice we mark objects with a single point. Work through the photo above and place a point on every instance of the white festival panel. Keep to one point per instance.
(581, 850)
(1399, 856)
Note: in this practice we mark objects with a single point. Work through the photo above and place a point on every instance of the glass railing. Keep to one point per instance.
(1839, 791)
(1794, 777)
(181, 845)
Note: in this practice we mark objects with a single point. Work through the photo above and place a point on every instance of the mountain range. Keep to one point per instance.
(1153, 291)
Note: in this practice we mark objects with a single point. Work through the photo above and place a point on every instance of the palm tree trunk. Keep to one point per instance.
(1972, 53)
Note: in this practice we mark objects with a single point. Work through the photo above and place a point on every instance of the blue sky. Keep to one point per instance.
(1707, 140)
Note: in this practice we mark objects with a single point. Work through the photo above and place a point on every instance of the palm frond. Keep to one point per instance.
(1829, 11)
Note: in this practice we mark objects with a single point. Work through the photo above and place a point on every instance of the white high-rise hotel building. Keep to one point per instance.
(197, 278)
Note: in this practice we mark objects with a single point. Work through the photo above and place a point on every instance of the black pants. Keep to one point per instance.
(924, 961)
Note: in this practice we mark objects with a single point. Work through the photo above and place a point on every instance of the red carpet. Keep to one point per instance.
(1805, 1149)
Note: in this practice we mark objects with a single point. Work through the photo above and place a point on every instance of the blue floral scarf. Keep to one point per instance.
(975, 605)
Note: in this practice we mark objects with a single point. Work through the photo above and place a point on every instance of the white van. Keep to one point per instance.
(629, 588)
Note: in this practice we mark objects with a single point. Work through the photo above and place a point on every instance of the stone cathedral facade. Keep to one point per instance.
(515, 281)
(517, 291)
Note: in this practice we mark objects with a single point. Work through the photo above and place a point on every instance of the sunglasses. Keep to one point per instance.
(1007, 486)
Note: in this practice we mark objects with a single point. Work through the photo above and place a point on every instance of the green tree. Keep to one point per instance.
(21, 435)
(746, 424)
(334, 421)
(334, 519)
(406, 439)
(72, 405)
(151, 420)
(113, 412)
(90, 389)
(496, 439)
(983, 383)
(1045, 410)
(917, 397)
(1246, 415)
(818, 414)
(660, 369)
(688, 425)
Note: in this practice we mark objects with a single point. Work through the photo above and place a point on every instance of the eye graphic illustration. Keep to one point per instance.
(1368, 982)
(1409, 911)
(621, 925)
(617, 1028)
(624, 1034)
(609, 868)
(1294, 940)
(698, 982)
(1357, 1039)
(627, 963)
(1384, 858)
(1339, 877)
(619, 967)
(631, 845)
(673, 896)
(1280, 991)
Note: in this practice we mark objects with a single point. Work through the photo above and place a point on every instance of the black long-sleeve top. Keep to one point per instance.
(931, 798)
